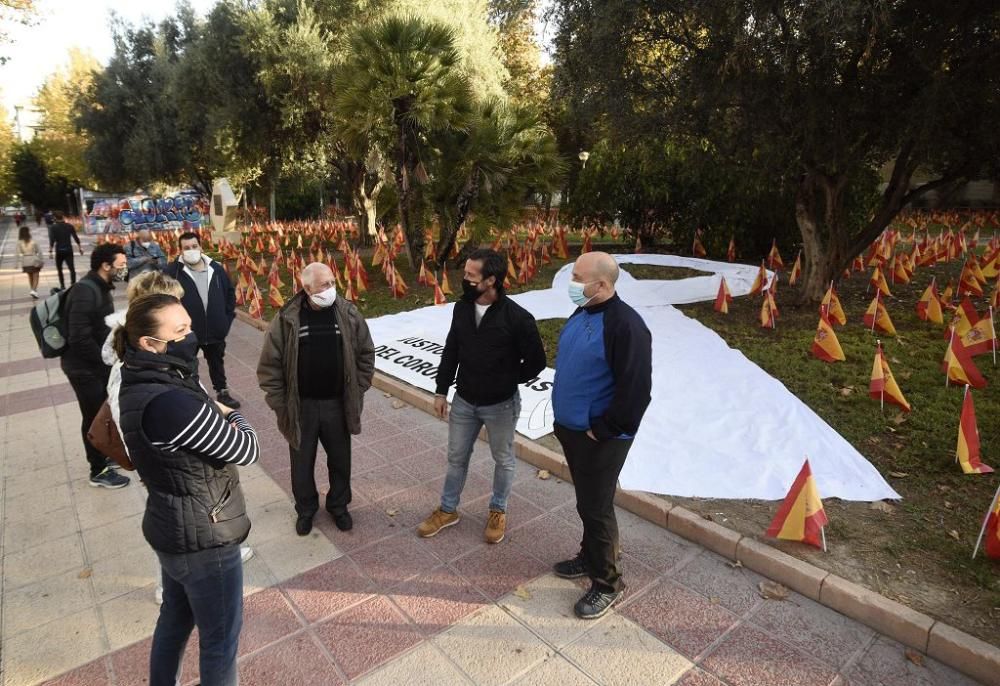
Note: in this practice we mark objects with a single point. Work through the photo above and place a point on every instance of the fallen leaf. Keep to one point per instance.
(387, 395)
(398, 404)
(735, 564)
(898, 475)
(846, 391)
(954, 534)
(883, 506)
(715, 600)
(543, 474)
(85, 573)
(899, 419)
(914, 657)
(948, 505)
(392, 512)
(522, 593)
(772, 590)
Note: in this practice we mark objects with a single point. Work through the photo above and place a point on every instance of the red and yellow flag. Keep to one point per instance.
(967, 452)
(274, 296)
(760, 282)
(731, 252)
(991, 527)
(831, 305)
(723, 298)
(965, 318)
(697, 249)
(768, 311)
(439, 298)
(981, 338)
(968, 284)
(929, 295)
(883, 385)
(796, 270)
(959, 367)
(445, 286)
(878, 281)
(801, 516)
(825, 345)
(774, 260)
(877, 317)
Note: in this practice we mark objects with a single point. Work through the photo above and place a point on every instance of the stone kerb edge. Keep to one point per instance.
(940, 641)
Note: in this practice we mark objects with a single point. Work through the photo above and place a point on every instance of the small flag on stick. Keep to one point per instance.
(990, 530)
(801, 516)
(825, 344)
(967, 451)
(883, 385)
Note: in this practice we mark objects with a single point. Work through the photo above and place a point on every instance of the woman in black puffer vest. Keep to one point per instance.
(186, 449)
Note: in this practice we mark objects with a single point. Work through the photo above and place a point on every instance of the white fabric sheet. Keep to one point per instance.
(718, 425)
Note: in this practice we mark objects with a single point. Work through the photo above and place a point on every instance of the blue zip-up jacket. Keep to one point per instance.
(604, 371)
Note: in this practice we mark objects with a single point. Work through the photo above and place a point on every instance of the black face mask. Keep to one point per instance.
(470, 291)
(185, 349)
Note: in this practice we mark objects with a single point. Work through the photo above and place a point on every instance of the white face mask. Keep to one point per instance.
(145, 244)
(324, 298)
(192, 256)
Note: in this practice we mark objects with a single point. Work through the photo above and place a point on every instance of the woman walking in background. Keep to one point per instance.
(30, 256)
(186, 449)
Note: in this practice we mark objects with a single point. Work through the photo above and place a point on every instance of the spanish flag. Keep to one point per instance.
(697, 249)
(990, 534)
(796, 270)
(923, 305)
(774, 260)
(877, 317)
(768, 311)
(981, 338)
(967, 452)
(731, 252)
(898, 270)
(256, 308)
(878, 281)
(883, 385)
(723, 298)
(825, 345)
(801, 516)
(586, 244)
(959, 367)
(834, 310)
(759, 283)
(965, 318)
(445, 286)
(439, 298)
(274, 297)
(968, 284)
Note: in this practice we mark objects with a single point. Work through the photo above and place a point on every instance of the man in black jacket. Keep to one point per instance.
(494, 346)
(210, 301)
(61, 237)
(86, 306)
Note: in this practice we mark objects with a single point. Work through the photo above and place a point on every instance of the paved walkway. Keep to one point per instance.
(378, 605)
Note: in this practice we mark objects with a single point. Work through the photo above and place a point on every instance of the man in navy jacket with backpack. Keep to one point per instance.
(210, 301)
(599, 396)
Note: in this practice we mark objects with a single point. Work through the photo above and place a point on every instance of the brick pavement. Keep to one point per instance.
(378, 605)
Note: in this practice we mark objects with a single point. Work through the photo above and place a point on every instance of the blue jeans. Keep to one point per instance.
(203, 589)
(464, 423)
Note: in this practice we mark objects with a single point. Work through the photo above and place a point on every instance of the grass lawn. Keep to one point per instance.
(918, 551)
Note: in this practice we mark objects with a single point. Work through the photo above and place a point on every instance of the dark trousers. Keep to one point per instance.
(203, 589)
(595, 466)
(215, 354)
(91, 388)
(66, 258)
(321, 421)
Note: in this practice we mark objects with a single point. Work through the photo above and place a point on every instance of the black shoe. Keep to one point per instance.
(109, 478)
(343, 520)
(228, 400)
(303, 525)
(595, 602)
(571, 569)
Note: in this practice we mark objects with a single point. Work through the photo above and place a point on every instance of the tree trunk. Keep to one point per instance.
(819, 211)
(462, 207)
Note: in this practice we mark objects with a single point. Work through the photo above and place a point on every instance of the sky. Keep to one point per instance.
(42, 48)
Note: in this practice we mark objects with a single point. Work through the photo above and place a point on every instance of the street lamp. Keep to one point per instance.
(584, 156)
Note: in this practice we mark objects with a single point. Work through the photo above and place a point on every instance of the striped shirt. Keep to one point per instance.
(176, 419)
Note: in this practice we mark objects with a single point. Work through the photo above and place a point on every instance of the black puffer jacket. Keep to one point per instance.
(195, 503)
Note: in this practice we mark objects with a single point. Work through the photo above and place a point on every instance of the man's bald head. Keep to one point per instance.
(317, 277)
(599, 271)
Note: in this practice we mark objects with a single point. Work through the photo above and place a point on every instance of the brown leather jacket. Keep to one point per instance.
(277, 370)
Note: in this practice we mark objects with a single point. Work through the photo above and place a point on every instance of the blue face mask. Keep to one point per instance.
(576, 293)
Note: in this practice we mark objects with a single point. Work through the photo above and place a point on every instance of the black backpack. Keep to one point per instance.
(48, 321)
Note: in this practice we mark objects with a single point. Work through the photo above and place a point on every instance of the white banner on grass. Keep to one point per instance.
(415, 360)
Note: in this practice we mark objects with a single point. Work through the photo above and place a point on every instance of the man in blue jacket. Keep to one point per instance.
(210, 301)
(600, 393)
(144, 254)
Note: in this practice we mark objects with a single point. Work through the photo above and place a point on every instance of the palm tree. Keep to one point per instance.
(490, 168)
(399, 84)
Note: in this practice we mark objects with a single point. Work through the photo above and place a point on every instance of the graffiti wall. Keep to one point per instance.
(183, 211)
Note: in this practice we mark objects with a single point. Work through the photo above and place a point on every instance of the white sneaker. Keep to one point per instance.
(246, 552)
(158, 595)
(33, 294)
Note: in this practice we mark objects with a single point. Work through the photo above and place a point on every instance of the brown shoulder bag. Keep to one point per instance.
(104, 435)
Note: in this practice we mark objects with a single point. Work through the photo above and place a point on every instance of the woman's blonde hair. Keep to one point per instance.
(150, 283)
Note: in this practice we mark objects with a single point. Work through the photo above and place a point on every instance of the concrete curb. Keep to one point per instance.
(944, 643)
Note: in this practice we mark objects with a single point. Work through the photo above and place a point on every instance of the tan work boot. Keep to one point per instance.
(437, 521)
(496, 524)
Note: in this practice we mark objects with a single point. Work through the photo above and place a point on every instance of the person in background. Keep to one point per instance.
(494, 346)
(187, 450)
(601, 391)
(87, 304)
(317, 361)
(61, 237)
(210, 299)
(30, 258)
(144, 254)
(149, 283)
